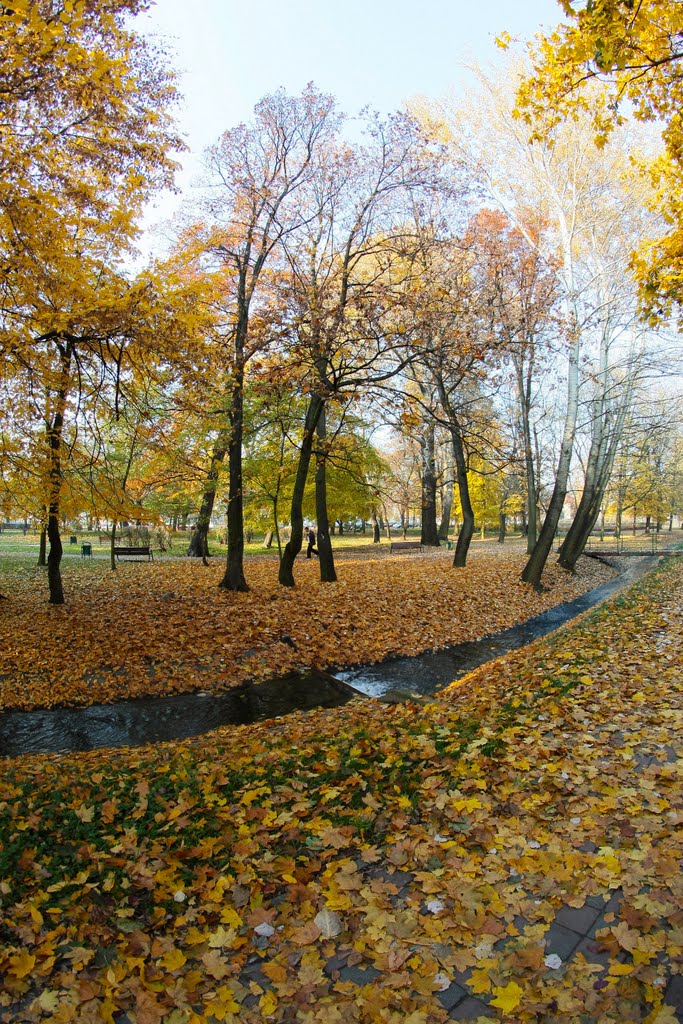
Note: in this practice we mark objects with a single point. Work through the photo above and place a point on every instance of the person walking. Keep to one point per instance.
(311, 549)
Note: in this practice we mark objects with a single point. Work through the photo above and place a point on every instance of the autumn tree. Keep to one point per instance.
(251, 204)
(634, 50)
(86, 138)
(524, 292)
(346, 289)
(562, 177)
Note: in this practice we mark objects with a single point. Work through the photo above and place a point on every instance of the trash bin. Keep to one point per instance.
(73, 539)
(86, 550)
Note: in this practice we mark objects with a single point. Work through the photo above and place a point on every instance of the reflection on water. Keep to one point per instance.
(150, 720)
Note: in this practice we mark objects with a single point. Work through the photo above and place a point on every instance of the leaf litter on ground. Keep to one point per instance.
(163, 628)
(375, 863)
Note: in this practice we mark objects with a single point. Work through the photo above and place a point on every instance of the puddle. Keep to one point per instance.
(151, 720)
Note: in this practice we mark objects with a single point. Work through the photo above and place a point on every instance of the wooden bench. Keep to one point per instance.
(404, 545)
(133, 551)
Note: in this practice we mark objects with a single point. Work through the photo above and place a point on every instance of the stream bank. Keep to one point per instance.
(153, 720)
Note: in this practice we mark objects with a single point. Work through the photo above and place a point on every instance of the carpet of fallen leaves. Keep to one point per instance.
(376, 864)
(167, 628)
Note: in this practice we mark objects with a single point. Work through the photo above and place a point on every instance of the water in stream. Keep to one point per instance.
(151, 720)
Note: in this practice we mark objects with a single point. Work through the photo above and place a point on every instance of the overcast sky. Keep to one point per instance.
(365, 52)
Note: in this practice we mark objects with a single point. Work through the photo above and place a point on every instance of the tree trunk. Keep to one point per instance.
(466, 531)
(42, 549)
(234, 569)
(375, 529)
(199, 541)
(430, 533)
(607, 427)
(54, 436)
(533, 569)
(325, 555)
(293, 545)
(112, 556)
(447, 504)
(54, 558)
(501, 527)
(524, 397)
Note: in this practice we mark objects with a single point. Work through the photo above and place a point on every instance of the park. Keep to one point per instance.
(341, 532)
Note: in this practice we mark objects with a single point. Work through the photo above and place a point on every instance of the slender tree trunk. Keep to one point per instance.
(524, 397)
(293, 545)
(502, 526)
(607, 426)
(112, 544)
(598, 470)
(467, 530)
(54, 558)
(375, 529)
(325, 555)
(234, 569)
(199, 541)
(54, 436)
(447, 504)
(533, 569)
(42, 549)
(430, 532)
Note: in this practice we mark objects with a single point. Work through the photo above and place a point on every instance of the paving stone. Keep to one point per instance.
(335, 963)
(359, 975)
(597, 901)
(674, 995)
(578, 919)
(561, 940)
(453, 995)
(461, 977)
(469, 1009)
(613, 905)
(593, 952)
(665, 755)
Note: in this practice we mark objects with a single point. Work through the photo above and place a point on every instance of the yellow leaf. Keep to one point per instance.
(36, 915)
(480, 981)
(508, 997)
(619, 969)
(174, 959)
(22, 964)
(274, 971)
(85, 813)
(268, 1003)
(48, 1000)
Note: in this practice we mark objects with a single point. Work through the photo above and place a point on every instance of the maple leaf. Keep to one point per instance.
(508, 997)
(22, 963)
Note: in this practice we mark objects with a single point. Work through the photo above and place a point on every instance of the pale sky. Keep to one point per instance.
(365, 52)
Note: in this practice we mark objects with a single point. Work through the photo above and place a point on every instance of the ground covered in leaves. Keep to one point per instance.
(165, 628)
(509, 851)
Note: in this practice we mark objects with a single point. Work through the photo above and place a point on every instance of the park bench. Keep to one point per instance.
(132, 552)
(404, 545)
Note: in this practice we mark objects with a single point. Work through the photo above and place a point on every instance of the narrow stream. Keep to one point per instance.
(426, 673)
(151, 720)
